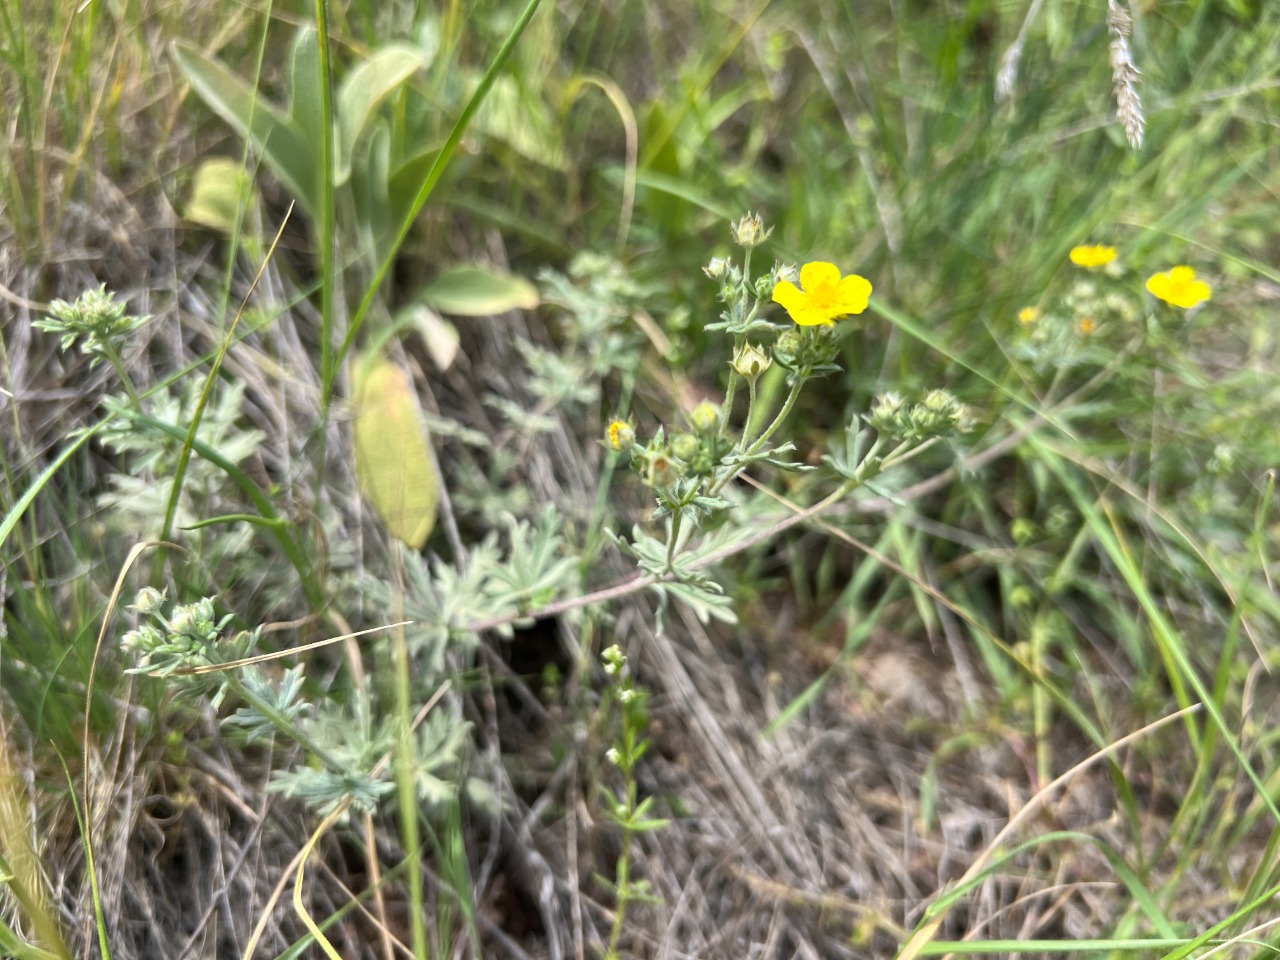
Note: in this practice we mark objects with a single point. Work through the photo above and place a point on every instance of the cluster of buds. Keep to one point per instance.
(661, 462)
(95, 319)
(937, 414)
(189, 637)
(807, 351)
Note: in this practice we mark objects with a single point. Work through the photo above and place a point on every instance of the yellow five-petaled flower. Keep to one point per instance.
(825, 297)
(1180, 287)
(1093, 256)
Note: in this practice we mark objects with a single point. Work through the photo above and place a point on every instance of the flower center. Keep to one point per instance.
(824, 295)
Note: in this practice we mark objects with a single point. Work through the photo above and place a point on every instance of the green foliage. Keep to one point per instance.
(1100, 547)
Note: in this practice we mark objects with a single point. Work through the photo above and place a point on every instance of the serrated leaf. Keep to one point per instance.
(363, 90)
(392, 457)
(473, 291)
(221, 188)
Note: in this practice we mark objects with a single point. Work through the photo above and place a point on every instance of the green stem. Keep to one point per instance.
(897, 458)
(726, 409)
(787, 406)
(780, 418)
(751, 409)
(117, 364)
(672, 540)
(284, 724)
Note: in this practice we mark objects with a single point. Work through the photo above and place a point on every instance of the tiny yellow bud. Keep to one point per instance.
(619, 435)
(705, 417)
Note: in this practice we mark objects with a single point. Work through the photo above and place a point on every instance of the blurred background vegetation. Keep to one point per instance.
(1095, 555)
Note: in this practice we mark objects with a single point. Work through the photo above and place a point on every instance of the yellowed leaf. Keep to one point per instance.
(392, 458)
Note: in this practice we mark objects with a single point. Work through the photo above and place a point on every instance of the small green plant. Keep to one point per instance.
(99, 323)
(632, 814)
(690, 469)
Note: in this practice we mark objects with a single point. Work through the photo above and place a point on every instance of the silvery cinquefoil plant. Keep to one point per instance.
(690, 468)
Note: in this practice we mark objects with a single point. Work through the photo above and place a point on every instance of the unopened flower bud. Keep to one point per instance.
(717, 268)
(619, 435)
(149, 600)
(750, 231)
(684, 446)
(705, 417)
(788, 343)
(885, 414)
(663, 471)
(614, 659)
(750, 361)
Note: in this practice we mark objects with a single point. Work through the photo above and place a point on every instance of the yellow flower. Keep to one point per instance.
(1091, 257)
(1086, 325)
(1180, 287)
(1028, 316)
(620, 435)
(825, 295)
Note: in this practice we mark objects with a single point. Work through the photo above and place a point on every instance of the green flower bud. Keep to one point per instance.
(886, 414)
(1022, 530)
(149, 601)
(684, 446)
(663, 471)
(788, 344)
(705, 417)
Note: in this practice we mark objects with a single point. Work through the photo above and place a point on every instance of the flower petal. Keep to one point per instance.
(811, 316)
(789, 296)
(814, 275)
(852, 294)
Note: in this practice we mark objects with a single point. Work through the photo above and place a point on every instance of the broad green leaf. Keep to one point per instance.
(392, 457)
(221, 187)
(364, 89)
(369, 190)
(522, 121)
(305, 110)
(473, 291)
(406, 179)
(290, 157)
(439, 335)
